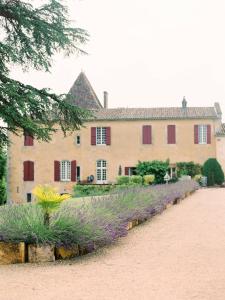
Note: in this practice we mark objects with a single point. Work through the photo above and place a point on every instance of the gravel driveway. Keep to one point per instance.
(179, 255)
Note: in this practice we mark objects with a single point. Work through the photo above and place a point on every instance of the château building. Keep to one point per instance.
(114, 140)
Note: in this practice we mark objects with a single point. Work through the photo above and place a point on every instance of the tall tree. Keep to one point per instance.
(30, 36)
(2, 176)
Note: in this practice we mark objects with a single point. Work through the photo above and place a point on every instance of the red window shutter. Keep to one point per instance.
(73, 170)
(28, 140)
(31, 171)
(28, 170)
(108, 135)
(208, 134)
(25, 171)
(126, 171)
(147, 134)
(56, 170)
(196, 134)
(93, 135)
(171, 134)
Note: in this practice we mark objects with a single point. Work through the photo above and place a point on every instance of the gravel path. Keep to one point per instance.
(178, 255)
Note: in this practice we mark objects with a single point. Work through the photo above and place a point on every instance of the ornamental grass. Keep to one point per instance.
(92, 222)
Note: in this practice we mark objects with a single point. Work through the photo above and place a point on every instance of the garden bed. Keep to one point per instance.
(80, 229)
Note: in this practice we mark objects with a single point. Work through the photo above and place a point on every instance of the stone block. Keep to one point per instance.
(40, 253)
(11, 253)
(64, 253)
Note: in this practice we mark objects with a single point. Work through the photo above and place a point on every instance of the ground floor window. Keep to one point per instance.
(78, 173)
(65, 170)
(129, 171)
(101, 171)
(29, 197)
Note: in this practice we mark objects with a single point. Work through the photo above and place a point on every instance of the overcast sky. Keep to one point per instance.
(146, 52)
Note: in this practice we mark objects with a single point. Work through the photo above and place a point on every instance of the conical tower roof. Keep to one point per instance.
(83, 95)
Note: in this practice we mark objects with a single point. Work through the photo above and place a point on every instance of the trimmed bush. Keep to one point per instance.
(123, 179)
(136, 179)
(188, 168)
(213, 171)
(155, 167)
(149, 179)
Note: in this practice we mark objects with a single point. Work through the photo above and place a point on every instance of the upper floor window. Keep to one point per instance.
(147, 134)
(100, 135)
(65, 170)
(78, 139)
(171, 134)
(28, 139)
(202, 134)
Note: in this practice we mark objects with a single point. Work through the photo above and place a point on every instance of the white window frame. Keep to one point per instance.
(202, 134)
(65, 170)
(101, 171)
(100, 135)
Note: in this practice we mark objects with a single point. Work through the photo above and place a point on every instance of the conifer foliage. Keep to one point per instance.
(213, 171)
(29, 37)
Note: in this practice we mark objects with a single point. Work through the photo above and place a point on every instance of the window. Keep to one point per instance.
(65, 170)
(146, 134)
(28, 139)
(129, 171)
(78, 173)
(202, 134)
(101, 171)
(101, 135)
(29, 197)
(171, 134)
(78, 139)
(28, 170)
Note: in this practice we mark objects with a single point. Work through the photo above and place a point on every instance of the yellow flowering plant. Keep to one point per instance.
(49, 199)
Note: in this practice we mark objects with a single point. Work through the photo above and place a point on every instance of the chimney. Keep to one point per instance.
(184, 102)
(105, 99)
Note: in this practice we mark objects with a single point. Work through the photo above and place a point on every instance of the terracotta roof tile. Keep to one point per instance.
(163, 113)
(221, 131)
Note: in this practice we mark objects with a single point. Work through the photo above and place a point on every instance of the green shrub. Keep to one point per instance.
(136, 179)
(213, 171)
(149, 179)
(2, 177)
(155, 167)
(91, 190)
(173, 179)
(188, 168)
(123, 179)
(2, 191)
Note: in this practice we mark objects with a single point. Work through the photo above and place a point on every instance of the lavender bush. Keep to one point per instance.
(92, 222)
